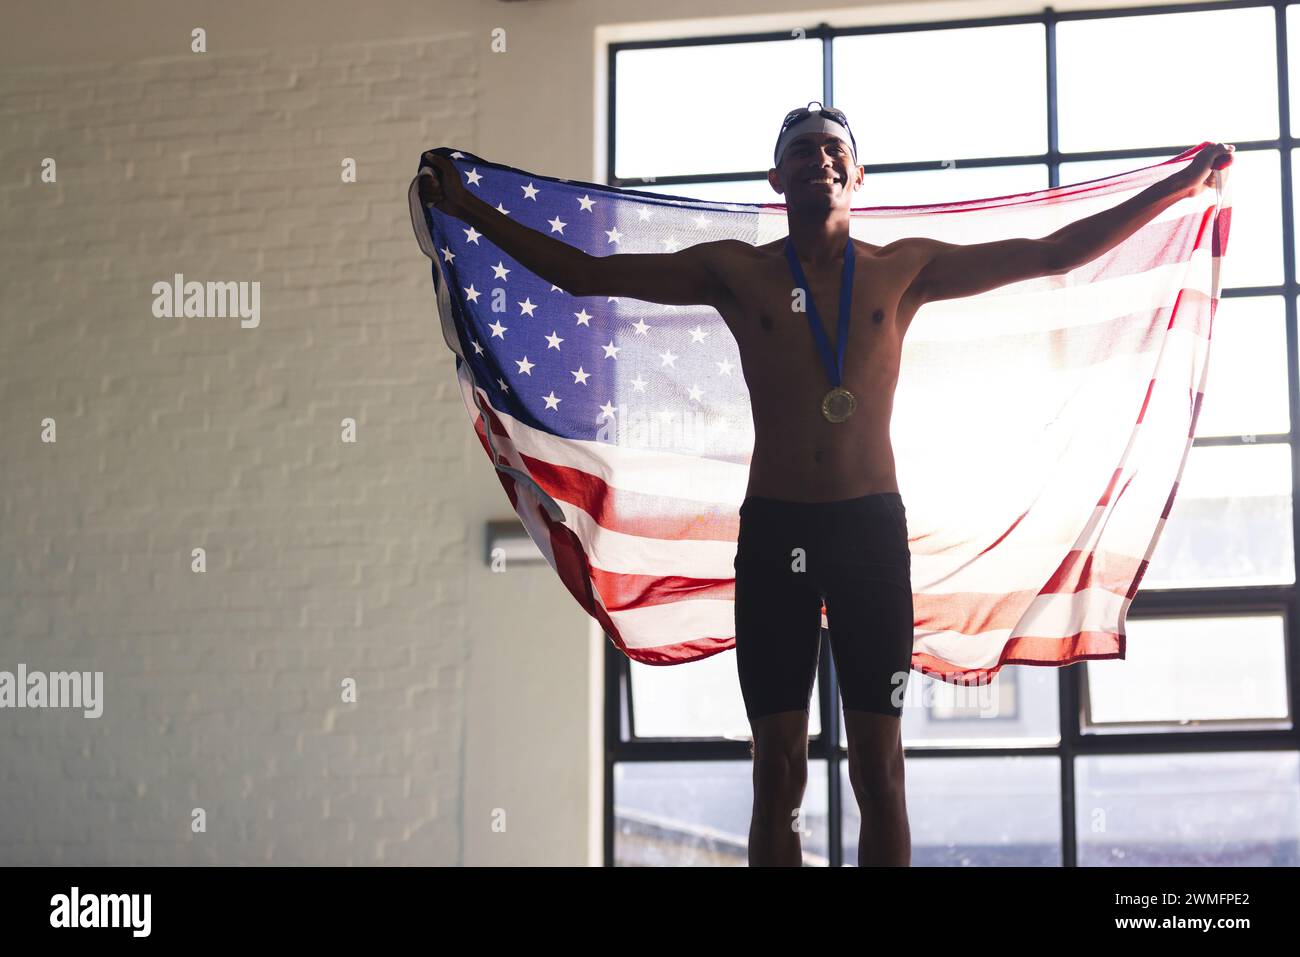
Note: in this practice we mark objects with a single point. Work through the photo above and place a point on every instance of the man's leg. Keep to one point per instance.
(876, 774)
(870, 612)
(778, 642)
(780, 776)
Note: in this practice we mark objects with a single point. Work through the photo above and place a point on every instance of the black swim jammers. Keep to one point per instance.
(855, 556)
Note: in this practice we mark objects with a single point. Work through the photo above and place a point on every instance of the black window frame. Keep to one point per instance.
(1148, 603)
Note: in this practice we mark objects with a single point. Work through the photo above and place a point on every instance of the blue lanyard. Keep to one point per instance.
(834, 366)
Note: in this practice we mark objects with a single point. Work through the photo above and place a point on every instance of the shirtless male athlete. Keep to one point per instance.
(822, 517)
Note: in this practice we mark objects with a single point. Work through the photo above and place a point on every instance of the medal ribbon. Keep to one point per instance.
(834, 366)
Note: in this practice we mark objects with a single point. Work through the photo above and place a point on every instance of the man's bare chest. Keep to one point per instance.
(772, 317)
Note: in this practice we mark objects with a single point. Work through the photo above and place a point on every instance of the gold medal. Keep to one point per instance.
(838, 404)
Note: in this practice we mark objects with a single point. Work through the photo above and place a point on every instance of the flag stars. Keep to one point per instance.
(457, 154)
(674, 391)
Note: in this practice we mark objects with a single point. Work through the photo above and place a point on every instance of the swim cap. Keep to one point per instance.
(815, 122)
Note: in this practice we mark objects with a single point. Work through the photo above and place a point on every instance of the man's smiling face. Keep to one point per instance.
(817, 170)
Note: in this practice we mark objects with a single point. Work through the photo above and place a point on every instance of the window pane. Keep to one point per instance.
(1180, 672)
(1142, 81)
(1189, 810)
(1245, 389)
(1075, 173)
(928, 187)
(885, 189)
(697, 700)
(736, 191)
(974, 812)
(1293, 51)
(696, 814)
(1295, 202)
(944, 94)
(708, 109)
(1231, 521)
(1018, 707)
(1254, 255)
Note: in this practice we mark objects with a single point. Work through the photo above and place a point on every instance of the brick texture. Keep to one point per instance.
(325, 560)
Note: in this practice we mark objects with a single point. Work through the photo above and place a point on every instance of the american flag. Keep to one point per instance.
(1039, 430)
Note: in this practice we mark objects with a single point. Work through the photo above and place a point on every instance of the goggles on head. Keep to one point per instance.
(825, 119)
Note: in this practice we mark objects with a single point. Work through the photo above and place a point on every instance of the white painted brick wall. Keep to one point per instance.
(325, 560)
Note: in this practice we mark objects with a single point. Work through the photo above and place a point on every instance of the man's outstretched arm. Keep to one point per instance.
(951, 271)
(688, 277)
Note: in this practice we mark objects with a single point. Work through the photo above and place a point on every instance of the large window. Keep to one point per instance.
(1186, 752)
